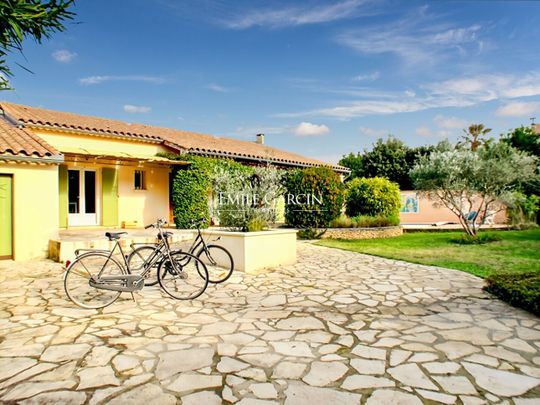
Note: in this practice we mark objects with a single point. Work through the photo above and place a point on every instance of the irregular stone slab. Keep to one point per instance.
(192, 382)
(229, 365)
(56, 398)
(61, 353)
(122, 362)
(324, 373)
(171, 363)
(29, 389)
(264, 390)
(372, 367)
(148, 394)
(455, 350)
(297, 349)
(360, 382)
(499, 382)
(11, 366)
(200, 319)
(437, 396)
(300, 323)
(289, 371)
(274, 300)
(204, 397)
(96, 377)
(261, 360)
(267, 314)
(100, 356)
(369, 352)
(456, 385)
(218, 328)
(410, 374)
(447, 367)
(299, 394)
(392, 397)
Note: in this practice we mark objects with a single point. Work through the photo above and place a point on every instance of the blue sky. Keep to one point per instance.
(321, 78)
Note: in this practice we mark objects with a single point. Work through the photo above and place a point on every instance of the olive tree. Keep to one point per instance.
(466, 180)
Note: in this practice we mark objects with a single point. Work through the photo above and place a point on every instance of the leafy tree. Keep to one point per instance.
(524, 139)
(353, 162)
(21, 19)
(475, 136)
(388, 159)
(480, 180)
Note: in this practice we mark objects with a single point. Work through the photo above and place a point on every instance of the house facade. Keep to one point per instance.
(60, 170)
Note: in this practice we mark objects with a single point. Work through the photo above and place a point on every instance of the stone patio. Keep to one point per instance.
(336, 328)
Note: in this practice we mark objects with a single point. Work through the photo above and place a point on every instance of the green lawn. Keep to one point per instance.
(517, 252)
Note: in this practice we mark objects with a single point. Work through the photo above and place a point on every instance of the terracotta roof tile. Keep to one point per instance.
(182, 140)
(18, 141)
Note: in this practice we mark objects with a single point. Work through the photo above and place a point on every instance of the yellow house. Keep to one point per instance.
(60, 170)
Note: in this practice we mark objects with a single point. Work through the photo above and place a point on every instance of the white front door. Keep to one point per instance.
(82, 197)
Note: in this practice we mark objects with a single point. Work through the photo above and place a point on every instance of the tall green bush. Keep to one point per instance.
(375, 196)
(301, 185)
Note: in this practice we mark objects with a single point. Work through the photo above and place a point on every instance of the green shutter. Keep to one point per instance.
(63, 196)
(109, 180)
(6, 244)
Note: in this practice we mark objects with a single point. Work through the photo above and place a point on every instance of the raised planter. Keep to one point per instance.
(363, 233)
(253, 251)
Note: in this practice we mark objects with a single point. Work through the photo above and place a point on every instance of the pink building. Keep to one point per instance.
(416, 209)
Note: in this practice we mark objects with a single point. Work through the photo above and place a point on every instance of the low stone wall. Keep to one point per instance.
(363, 233)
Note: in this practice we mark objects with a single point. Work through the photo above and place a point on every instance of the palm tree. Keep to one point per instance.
(474, 136)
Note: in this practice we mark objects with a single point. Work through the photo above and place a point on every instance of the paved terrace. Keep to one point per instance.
(337, 328)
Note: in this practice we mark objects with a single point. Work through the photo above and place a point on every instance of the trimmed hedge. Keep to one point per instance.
(375, 196)
(520, 290)
(321, 182)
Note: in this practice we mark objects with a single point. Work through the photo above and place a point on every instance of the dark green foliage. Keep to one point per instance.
(321, 182)
(310, 234)
(191, 189)
(20, 19)
(353, 162)
(478, 239)
(520, 290)
(192, 186)
(376, 196)
(524, 139)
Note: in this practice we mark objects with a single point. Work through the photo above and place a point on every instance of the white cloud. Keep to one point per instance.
(417, 39)
(375, 133)
(518, 109)
(309, 129)
(217, 88)
(458, 92)
(90, 80)
(63, 55)
(293, 16)
(136, 109)
(369, 77)
(425, 132)
(449, 122)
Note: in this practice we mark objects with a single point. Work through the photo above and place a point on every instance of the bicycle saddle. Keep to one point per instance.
(114, 235)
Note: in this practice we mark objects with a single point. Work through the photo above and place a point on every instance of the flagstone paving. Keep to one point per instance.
(336, 328)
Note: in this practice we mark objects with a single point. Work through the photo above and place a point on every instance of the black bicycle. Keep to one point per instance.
(217, 259)
(95, 279)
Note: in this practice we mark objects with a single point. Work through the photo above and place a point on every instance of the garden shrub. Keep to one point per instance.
(375, 196)
(364, 221)
(193, 186)
(320, 182)
(247, 199)
(310, 233)
(520, 290)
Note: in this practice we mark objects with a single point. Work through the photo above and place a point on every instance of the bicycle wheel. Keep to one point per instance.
(218, 262)
(137, 260)
(183, 277)
(77, 280)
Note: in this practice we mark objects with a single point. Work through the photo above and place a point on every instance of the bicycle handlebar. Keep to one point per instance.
(159, 223)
